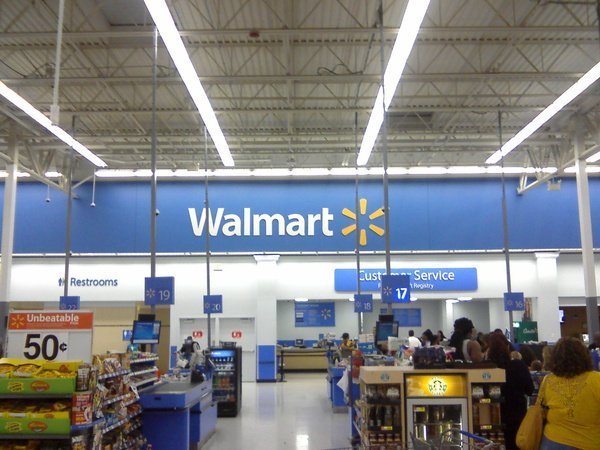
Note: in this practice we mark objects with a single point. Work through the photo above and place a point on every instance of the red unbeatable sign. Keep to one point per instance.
(197, 334)
(236, 334)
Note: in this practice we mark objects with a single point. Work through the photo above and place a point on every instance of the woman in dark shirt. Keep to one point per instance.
(518, 385)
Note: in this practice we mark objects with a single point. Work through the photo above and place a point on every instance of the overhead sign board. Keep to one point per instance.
(363, 303)
(395, 289)
(50, 335)
(159, 291)
(421, 279)
(69, 303)
(213, 304)
(314, 314)
(514, 301)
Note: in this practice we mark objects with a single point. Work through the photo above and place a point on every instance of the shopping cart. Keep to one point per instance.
(455, 439)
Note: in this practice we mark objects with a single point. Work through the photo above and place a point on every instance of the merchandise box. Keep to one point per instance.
(59, 424)
(39, 386)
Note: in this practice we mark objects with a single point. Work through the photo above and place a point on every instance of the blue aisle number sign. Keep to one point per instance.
(213, 304)
(159, 291)
(395, 288)
(514, 301)
(363, 303)
(69, 303)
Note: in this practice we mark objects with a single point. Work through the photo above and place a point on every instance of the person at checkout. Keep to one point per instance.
(346, 346)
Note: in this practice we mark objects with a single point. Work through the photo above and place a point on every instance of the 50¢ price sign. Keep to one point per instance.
(50, 335)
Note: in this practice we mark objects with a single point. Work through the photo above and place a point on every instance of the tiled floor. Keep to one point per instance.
(296, 414)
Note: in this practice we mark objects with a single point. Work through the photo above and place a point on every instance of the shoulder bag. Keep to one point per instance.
(531, 430)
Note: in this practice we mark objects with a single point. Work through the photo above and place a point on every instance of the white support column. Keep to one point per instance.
(587, 241)
(8, 228)
(545, 307)
(266, 302)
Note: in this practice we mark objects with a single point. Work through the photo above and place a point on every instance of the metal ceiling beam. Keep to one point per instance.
(306, 79)
(203, 34)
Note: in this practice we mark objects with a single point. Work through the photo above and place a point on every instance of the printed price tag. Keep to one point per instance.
(50, 335)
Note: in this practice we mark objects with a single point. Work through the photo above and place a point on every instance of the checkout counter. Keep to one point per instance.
(178, 414)
(294, 358)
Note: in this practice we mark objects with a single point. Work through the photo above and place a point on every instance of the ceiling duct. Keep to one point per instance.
(406, 121)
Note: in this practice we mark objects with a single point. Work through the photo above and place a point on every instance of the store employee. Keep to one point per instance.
(346, 345)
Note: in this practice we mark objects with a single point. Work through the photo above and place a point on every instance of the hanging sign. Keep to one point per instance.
(50, 335)
(237, 334)
(314, 314)
(159, 291)
(514, 301)
(213, 304)
(69, 303)
(363, 303)
(395, 289)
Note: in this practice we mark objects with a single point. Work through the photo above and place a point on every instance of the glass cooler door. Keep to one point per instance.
(428, 419)
(224, 381)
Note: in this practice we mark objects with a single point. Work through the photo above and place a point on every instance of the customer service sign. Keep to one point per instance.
(421, 279)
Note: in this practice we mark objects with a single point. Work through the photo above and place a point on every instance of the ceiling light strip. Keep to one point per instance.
(407, 34)
(44, 121)
(170, 35)
(581, 85)
(323, 172)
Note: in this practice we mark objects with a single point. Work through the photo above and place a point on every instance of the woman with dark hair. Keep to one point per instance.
(467, 349)
(427, 338)
(518, 384)
(527, 354)
(572, 395)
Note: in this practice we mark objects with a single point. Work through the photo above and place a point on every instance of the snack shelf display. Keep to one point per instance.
(37, 401)
(116, 398)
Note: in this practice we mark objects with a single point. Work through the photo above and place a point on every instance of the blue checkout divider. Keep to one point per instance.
(266, 369)
(178, 414)
(336, 394)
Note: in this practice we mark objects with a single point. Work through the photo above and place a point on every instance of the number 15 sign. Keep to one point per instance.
(395, 288)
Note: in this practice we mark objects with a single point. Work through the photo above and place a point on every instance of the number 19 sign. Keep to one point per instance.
(395, 288)
(159, 291)
(50, 335)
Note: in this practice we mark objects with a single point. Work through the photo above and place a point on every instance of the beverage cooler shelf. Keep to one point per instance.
(385, 430)
(488, 427)
(395, 402)
(431, 424)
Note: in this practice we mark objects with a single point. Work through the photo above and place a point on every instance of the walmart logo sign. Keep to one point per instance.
(250, 223)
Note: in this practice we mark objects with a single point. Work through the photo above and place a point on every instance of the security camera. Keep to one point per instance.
(47, 199)
(157, 212)
(92, 205)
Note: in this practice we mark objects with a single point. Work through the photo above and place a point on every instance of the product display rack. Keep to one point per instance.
(431, 402)
(14, 427)
(120, 407)
(378, 415)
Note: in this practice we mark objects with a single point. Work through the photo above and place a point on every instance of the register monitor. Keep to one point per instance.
(299, 343)
(383, 330)
(145, 332)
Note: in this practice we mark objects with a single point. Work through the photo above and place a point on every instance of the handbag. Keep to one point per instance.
(531, 430)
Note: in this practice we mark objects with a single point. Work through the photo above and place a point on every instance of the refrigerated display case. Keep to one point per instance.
(435, 404)
(227, 380)
(429, 402)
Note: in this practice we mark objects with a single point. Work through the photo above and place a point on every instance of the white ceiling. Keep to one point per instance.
(290, 78)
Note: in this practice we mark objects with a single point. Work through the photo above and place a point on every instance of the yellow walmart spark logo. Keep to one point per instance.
(363, 232)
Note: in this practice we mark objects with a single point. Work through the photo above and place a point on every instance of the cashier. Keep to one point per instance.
(346, 346)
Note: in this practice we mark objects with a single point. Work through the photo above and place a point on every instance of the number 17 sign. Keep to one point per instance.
(395, 288)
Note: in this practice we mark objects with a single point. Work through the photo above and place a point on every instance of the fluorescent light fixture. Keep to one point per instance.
(464, 299)
(588, 169)
(310, 172)
(53, 174)
(594, 158)
(300, 300)
(413, 299)
(44, 121)
(351, 298)
(427, 170)
(170, 35)
(452, 301)
(580, 85)
(411, 22)
(4, 174)
(115, 173)
(271, 173)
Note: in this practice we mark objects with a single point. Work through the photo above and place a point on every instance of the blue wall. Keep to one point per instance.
(425, 215)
